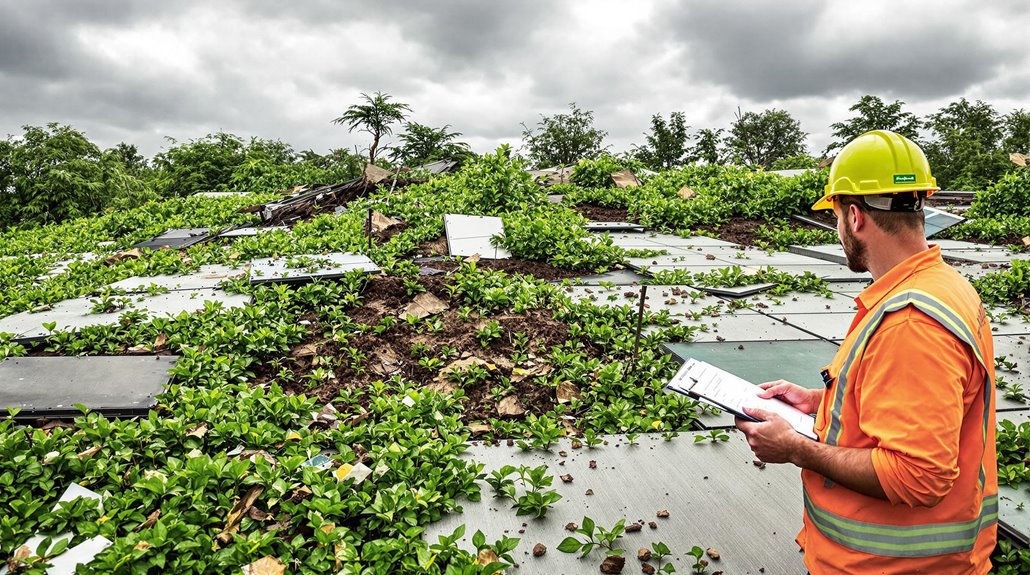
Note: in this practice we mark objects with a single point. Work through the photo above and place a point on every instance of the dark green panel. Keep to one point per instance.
(759, 361)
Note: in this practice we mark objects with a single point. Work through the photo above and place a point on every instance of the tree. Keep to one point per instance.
(1017, 132)
(421, 144)
(874, 114)
(666, 146)
(964, 149)
(563, 139)
(51, 174)
(375, 116)
(761, 139)
(709, 147)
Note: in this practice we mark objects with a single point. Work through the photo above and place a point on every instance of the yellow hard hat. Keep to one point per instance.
(876, 163)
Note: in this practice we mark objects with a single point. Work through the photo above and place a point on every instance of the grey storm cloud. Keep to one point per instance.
(774, 50)
(125, 70)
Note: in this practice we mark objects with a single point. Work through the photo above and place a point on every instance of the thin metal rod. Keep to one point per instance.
(636, 338)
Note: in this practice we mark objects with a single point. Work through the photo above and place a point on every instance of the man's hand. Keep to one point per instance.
(772, 439)
(806, 400)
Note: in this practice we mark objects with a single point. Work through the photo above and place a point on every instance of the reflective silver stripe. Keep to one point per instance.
(924, 303)
(904, 540)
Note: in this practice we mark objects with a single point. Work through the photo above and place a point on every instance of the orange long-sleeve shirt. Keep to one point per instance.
(915, 395)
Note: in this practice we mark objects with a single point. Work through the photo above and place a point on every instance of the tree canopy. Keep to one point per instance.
(667, 143)
(376, 116)
(872, 113)
(563, 139)
(759, 139)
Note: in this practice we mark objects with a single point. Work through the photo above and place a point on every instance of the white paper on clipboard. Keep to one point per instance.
(728, 392)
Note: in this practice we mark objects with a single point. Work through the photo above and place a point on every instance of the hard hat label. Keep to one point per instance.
(904, 178)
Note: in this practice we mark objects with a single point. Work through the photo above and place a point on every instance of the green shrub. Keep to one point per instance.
(1009, 197)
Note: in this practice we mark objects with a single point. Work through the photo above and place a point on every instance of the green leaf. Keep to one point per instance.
(478, 540)
(569, 545)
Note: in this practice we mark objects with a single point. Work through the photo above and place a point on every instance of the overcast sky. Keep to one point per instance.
(139, 72)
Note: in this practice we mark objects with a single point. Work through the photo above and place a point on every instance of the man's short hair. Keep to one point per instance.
(891, 222)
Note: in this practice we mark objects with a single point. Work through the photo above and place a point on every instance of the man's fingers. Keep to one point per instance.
(769, 384)
(759, 414)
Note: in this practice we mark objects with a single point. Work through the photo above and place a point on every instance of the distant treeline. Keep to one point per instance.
(54, 172)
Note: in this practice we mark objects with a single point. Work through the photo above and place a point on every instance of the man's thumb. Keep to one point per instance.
(757, 413)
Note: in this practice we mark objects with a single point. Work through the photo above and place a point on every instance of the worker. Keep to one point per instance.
(903, 477)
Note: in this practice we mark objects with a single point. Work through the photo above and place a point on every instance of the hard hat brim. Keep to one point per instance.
(826, 202)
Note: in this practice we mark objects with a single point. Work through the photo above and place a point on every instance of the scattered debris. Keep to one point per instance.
(424, 305)
(644, 554)
(267, 565)
(634, 527)
(567, 391)
(134, 253)
(713, 554)
(232, 521)
(486, 557)
(539, 549)
(647, 568)
(510, 405)
(571, 526)
(567, 478)
(664, 513)
(686, 193)
(652, 524)
(625, 179)
(613, 564)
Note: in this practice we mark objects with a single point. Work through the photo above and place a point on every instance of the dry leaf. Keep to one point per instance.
(510, 406)
(625, 179)
(293, 436)
(381, 222)
(306, 350)
(89, 452)
(198, 431)
(442, 386)
(258, 515)
(267, 565)
(1019, 159)
(142, 546)
(387, 362)
(473, 258)
(139, 349)
(162, 339)
(686, 193)
(486, 557)
(134, 253)
(424, 305)
(480, 428)
(1026, 241)
(232, 522)
(566, 392)
(150, 521)
(253, 453)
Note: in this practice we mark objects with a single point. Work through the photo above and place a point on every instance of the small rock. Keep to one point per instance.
(576, 444)
(758, 464)
(590, 492)
(647, 568)
(571, 526)
(593, 464)
(539, 549)
(644, 554)
(712, 553)
(567, 478)
(613, 564)
(510, 442)
(633, 527)
(652, 525)
(664, 513)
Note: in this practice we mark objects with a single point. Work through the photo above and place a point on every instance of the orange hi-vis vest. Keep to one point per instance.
(914, 382)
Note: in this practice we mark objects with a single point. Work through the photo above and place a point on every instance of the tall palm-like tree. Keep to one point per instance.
(375, 117)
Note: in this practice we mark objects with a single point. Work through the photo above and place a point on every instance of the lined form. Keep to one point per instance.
(726, 391)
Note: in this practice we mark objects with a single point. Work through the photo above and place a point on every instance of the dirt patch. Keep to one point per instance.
(598, 213)
(744, 231)
(539, 270)
(425, 352)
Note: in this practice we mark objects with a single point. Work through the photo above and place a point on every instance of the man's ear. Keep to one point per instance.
(856, 218)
